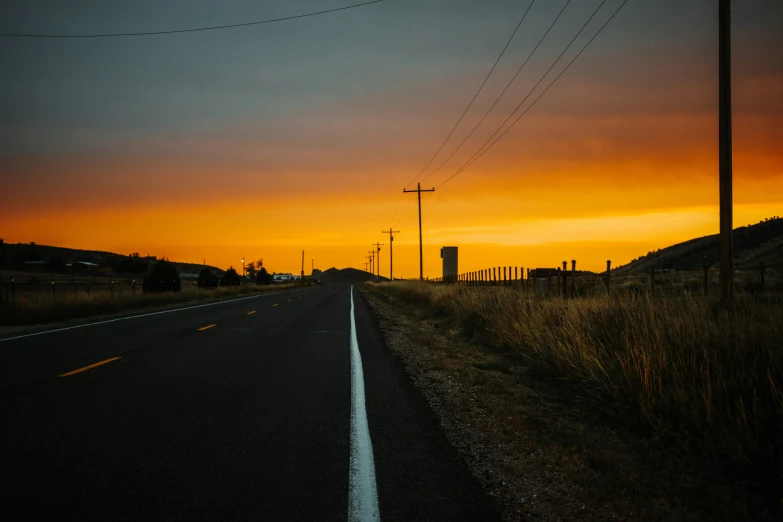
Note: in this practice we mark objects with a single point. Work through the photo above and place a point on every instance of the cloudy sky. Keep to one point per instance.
(267, 140)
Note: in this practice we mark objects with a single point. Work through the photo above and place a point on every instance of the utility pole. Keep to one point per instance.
(421, 251)
(391, 245)
(302, 264)
(724, 154)
(372, 263)
(378, 264)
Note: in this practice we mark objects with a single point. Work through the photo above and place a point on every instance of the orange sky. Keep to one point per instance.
(618, 159)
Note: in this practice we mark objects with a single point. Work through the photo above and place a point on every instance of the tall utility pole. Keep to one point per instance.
(724, 154)
(421, 252)
(391, 249)
(372, 263)
(378, 264)
(302, 264)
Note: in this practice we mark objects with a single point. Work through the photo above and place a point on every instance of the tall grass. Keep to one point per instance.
(704, 379)
(41, 307)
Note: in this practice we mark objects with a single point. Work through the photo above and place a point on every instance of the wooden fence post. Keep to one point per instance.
(573, 277)
(608, 270)
(565, 279)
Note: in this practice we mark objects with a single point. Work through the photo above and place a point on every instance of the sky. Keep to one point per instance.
(266, 140)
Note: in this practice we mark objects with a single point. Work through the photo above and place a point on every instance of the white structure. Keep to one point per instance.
(284, 278)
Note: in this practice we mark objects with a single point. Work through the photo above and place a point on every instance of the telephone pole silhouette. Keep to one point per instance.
(724, 153)
(391, 250)
(372, 263)
(421, 251)
(378, 264)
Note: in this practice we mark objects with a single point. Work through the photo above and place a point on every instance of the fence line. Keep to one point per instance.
(569, 282)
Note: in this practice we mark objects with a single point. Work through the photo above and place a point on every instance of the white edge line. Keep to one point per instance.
(143, 315)
(362, 488)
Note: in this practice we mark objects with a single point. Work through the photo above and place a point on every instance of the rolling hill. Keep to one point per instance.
(753, 244)
(345, 275)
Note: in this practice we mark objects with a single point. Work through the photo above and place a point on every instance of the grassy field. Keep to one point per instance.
(37, 303)
(704, 381)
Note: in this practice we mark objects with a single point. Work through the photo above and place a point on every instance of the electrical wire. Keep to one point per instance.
(502, 93)
(481, 152)
(477, 93)
(190, 30)
(492, 69)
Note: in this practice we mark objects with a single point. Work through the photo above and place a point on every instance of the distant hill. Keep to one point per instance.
(753, 244)
(345, 275)
(14, 256)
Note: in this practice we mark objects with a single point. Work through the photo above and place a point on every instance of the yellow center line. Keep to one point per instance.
(80, 370)
(207, 327)
(274, 304)
(251, 312)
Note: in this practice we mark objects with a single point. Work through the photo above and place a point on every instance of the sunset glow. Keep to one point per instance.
(263, 157)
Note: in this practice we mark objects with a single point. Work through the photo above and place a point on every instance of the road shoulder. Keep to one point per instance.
(420, 475)
(532, 451)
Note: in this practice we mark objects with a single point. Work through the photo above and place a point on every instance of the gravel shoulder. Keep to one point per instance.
(536, 449)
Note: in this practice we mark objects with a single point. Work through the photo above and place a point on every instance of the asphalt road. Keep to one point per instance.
(249, 409)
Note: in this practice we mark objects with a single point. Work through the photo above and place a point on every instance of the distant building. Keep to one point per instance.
(284, 278)
(450, 265)
(82, 266)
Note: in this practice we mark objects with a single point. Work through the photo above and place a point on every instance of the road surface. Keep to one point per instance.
(276, 407)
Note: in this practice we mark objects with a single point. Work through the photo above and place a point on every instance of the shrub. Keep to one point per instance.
(263, 277)
(230, 277)
(162, 277)
(206, 279)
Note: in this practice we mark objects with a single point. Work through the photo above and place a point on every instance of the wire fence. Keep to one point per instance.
(565, 282)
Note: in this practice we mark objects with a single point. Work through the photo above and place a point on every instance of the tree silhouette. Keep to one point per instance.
(206, 279)
(263, 277)
(230, 277)
(162, 277)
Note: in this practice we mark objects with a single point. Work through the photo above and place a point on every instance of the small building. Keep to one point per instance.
(450, 264)
(82, 266)
(284, 278)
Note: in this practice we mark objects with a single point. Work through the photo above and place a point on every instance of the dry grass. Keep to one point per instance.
(704, 380)
(40, 307)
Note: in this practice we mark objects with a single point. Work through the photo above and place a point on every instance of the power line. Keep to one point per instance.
(477, 93)
(396, 208)
(481, 152)
(191, 30)
(502, 93)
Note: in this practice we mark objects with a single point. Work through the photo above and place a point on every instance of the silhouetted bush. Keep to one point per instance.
(263, 277)
(162, 277)
(206, 279)
(230, 278)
